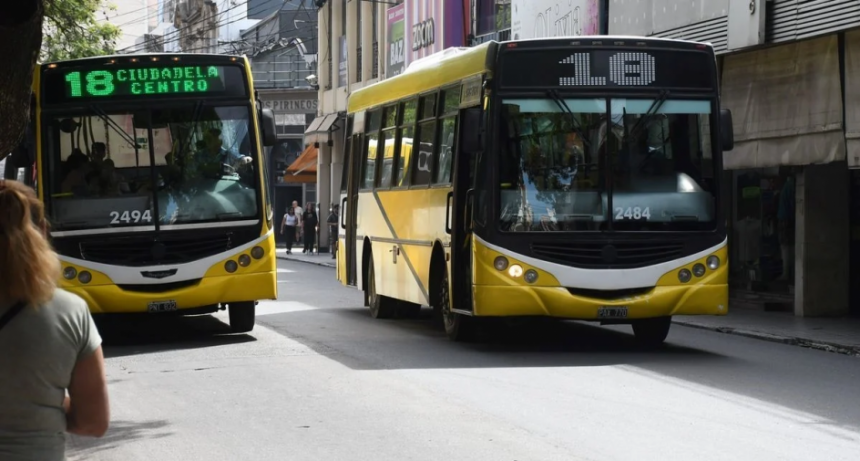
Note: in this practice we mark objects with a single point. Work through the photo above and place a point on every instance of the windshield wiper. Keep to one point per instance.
(562, 104)
(651, 112)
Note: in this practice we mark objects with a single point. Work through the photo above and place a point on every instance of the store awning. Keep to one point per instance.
(321, 124)
(304, 169)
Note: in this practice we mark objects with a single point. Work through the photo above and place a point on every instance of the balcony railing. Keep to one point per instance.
(374, 70)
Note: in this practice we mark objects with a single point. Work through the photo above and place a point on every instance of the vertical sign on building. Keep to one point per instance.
(341, 65)
(554, 18)
(396, 17)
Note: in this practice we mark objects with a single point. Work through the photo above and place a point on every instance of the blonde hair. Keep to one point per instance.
(29, 268)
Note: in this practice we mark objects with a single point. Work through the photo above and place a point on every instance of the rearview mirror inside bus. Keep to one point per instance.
(267, 120)
(470, 131)
(727, 131)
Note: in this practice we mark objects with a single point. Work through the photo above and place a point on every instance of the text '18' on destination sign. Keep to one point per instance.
(144, 81)
(597, 69)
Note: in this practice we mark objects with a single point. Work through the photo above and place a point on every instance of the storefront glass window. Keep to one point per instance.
(493, 16)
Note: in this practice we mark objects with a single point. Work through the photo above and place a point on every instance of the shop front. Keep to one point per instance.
(789, 175)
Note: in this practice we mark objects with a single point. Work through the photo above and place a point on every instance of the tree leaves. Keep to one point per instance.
(71, 30)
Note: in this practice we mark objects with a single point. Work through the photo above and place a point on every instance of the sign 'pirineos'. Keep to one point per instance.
(554, 18)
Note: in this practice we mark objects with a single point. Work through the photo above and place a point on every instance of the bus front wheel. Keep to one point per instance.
(458, 327)
(652, 332)
(242, 316)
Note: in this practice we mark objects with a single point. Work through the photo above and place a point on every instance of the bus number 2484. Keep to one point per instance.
(127, 217)
(632, 213)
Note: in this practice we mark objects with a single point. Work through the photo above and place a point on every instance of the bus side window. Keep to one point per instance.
(424, 145)
(447, 130)
(369, 151)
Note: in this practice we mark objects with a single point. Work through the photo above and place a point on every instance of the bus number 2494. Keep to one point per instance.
(128, 217)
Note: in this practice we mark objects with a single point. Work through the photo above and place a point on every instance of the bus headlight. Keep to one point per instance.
(531, 276)
(244, 260)
(231, 266)
(713, 262)
(684, 275)
(258, 252)
(501, 263)
(85, 277)
(515, 271)
(70, 273)
(698, 270)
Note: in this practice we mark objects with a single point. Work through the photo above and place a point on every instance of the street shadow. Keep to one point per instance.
(125, 335)
(420, 343)
(779, 374)
(119, 433)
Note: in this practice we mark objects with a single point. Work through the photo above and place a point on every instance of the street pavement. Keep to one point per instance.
(318, 379)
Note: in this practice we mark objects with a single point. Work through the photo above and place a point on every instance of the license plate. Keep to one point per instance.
(162, 306)
(612, 313)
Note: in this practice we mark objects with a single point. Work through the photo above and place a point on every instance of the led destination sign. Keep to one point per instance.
(145, 80)
(602, 68)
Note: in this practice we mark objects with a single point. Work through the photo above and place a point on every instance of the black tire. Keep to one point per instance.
(381, 307)
(652, 332)
(458, 327)
(242, 316)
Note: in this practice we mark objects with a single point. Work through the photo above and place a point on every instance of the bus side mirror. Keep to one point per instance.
(270, 134)
(727, 131)
(470, 131)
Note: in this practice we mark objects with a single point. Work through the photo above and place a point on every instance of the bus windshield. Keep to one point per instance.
(199, 169)
(561, 160)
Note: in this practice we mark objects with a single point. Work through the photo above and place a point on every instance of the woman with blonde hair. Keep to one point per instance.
(51, 360)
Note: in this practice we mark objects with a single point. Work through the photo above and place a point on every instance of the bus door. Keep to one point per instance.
(460, 203)
(349, 206)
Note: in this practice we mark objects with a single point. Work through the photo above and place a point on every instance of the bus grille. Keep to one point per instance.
(608, 255)
(149, 251)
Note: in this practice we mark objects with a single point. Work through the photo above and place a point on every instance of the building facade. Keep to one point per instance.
(362, 42)
(790, 74)
(283, 53)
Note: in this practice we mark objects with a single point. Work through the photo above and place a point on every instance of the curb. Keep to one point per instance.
(790, 340)
(315, 263)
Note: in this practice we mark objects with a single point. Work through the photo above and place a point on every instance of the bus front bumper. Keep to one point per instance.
(209, 291)
(705, 299)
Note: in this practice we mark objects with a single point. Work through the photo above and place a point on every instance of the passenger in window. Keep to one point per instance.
(107, 182)
(52, 368)
(78, 166)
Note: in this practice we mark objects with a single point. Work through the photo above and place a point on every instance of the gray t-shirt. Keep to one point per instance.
(38, 351)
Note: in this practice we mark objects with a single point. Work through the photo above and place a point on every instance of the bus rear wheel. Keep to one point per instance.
(381, 307)
(242, 316)
(652, 332)
(458, 327)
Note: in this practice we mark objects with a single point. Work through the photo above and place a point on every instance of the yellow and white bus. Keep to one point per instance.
(575, 178)
(152, 170)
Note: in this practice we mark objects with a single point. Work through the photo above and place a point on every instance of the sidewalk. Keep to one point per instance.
(840, 335)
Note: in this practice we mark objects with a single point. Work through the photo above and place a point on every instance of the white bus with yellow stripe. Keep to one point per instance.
(152, 170)
(574, 178)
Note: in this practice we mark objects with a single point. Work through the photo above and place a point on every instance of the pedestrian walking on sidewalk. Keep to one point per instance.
(310, 222)
(288, 228)
(297, 210)
(333, 220)
(51, 364)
